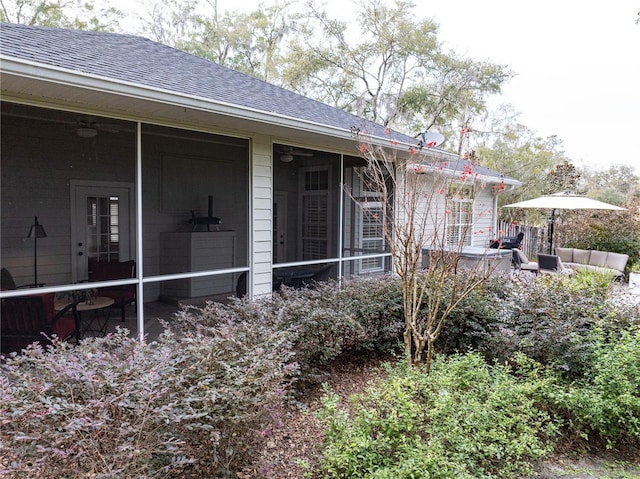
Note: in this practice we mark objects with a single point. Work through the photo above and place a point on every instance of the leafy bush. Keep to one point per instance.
(473, 324)
(546, 317)
(321, 323)
(465, 419)
(593, 231)
(114, 407)
(376, 304)
(606, 401)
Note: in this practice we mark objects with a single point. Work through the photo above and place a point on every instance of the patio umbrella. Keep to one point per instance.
(563, 201)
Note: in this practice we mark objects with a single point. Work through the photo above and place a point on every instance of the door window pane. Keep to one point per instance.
(103, 236)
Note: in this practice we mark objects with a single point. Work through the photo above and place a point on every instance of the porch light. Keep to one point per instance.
(286, 158)
(36, 231)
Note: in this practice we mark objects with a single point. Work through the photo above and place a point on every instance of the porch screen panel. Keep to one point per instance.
(364, 215)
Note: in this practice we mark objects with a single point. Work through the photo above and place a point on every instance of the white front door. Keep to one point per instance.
(100, 224)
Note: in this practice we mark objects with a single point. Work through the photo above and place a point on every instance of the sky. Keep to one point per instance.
(577, 65)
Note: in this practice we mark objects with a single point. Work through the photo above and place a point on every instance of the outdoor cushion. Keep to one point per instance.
(598, 258)
(617, 260)
(581, 256)
(565, 254)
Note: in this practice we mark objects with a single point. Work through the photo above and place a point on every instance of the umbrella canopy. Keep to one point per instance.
(563, 201)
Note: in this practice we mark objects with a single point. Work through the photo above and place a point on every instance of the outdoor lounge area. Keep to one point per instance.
(603, 261)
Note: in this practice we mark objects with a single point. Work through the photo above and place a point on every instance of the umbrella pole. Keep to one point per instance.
(552, 220)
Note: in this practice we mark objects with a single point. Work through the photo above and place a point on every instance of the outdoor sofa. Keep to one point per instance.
(593, 260)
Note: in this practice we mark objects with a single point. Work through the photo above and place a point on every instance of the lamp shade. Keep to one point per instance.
(37, 230)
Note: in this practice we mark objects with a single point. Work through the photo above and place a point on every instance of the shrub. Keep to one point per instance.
(473, 324)
(376, 304)
(114, 407)
(465, 419)
(605, 402)
(550, 318)
(321, 323)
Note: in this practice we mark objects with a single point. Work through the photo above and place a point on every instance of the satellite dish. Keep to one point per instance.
(430, 139)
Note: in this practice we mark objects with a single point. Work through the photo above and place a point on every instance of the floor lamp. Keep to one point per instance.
(36, 231)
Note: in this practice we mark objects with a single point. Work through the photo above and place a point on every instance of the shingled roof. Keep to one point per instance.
(141, 61)
(136, 60)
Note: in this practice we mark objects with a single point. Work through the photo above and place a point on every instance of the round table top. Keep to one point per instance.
(98, 302)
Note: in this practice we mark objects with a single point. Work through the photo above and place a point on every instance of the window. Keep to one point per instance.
(372, 235)
(459, 215)
(103, 228)
(315, 214)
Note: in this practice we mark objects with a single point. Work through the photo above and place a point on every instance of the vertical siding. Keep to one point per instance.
(261, 215)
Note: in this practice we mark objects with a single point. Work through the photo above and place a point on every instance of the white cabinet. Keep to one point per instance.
(197, 251)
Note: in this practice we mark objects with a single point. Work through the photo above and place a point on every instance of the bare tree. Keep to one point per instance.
(428, 204)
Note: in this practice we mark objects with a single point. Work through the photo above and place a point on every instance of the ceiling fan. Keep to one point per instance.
(88, 128)
(288, 153)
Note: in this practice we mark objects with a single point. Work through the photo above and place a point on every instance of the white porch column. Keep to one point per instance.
(261, 217)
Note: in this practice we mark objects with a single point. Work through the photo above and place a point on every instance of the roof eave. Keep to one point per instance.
(73, 78)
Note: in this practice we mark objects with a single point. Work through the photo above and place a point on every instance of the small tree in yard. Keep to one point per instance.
(428, 203)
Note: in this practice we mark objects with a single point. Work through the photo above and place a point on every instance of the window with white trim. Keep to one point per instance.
(459, 215)
(316, 213)
(371, 235)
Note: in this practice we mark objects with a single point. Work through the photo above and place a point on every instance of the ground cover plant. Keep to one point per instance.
(464, 419)
(521, 360)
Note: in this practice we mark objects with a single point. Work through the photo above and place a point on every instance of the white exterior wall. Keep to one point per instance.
(483, 211)
(261, 217)
(483, 220)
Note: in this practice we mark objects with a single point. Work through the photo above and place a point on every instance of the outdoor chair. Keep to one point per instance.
(241, 285)
(522, 263)
(321, 275)
(508, 242)
(121, 295)
(26, 318)
(7, 282)
(551, 263)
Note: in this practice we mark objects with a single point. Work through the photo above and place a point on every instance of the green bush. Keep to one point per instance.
(114, 407)
(465, 419)
(548, 318)
(376, 304)
(605, 402)
(474, 323)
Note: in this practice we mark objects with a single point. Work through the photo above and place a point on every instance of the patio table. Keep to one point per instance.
(95, 304)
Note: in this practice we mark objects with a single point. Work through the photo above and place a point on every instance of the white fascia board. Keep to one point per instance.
(421, 168)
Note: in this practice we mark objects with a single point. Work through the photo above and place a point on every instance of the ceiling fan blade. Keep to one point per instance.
(108, 127)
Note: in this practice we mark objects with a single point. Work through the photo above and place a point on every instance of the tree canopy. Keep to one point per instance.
(75, 14)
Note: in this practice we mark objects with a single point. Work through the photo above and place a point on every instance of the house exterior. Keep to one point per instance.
(124, 149)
